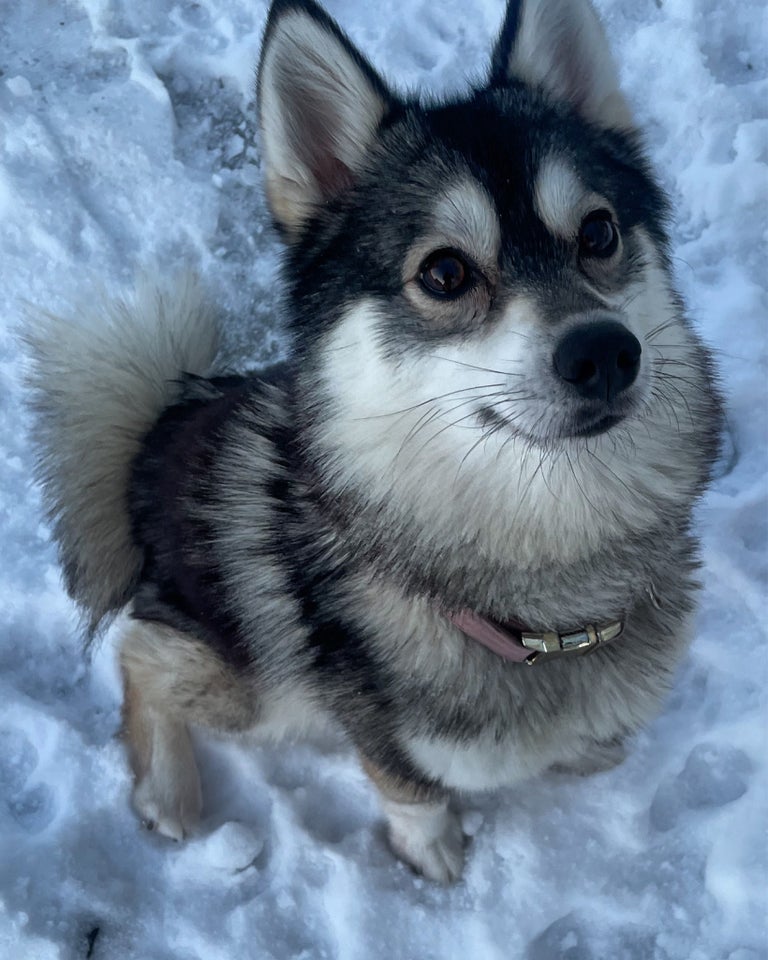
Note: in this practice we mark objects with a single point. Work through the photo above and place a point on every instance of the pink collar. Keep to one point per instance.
(511, 641)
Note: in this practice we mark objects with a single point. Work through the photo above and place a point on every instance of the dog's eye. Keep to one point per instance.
(598, 236)
(445, 274)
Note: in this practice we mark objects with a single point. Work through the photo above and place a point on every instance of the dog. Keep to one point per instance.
(456, 521)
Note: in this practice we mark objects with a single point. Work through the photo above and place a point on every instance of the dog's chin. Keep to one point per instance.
(580, 426)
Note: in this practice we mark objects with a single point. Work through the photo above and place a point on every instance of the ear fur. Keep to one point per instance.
(320, 105)
(560, 45)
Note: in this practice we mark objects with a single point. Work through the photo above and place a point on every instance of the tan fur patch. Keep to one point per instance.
(183, 678)
(393, 787)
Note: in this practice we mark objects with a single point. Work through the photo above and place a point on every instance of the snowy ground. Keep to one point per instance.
(127, 136)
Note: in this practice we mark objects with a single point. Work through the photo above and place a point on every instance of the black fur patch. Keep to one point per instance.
(181, 585)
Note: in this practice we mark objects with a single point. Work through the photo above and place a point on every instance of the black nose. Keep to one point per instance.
(600, 359)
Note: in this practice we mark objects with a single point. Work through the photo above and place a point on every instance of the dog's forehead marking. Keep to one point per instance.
(560, 197)
(468, 214)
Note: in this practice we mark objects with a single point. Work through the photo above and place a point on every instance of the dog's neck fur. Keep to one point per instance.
(488, 572)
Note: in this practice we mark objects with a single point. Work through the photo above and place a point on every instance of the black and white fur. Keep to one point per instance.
(287, 543)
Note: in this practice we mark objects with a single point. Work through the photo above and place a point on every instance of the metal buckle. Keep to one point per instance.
(549, 644)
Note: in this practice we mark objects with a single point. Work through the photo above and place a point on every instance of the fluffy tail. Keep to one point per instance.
(99, 382)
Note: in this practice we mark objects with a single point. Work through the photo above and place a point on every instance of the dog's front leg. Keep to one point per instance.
(423, 831)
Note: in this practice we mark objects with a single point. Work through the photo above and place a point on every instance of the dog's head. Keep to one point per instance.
(479, 289)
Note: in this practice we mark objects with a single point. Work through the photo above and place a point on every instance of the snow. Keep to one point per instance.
(128, 138)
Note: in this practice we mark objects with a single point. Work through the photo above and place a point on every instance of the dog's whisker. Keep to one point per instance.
(579, 484)
(668, 380)
(421, 403)
(473, 366)
(438, 433)
(612, 472)
(436, 412)
(484, 437)
(660, 328)
(668, 406)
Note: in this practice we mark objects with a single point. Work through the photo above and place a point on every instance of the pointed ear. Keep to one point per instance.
(560, 45)
(320, 105)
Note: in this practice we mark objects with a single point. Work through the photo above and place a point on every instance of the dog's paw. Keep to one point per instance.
(168, 808)
(428, 837)
(598, 757)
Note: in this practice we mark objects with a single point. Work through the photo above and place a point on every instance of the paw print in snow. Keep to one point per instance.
(32, 808)
(713, 776)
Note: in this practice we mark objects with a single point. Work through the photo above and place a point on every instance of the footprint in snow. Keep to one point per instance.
(713, 776)
(331, 815)
(565, 939)
(18, 758)
(32, 808)
(569, 938)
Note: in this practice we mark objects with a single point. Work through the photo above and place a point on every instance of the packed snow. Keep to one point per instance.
(127, 138)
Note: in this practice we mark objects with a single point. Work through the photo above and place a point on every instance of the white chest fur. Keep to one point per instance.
(484, 763)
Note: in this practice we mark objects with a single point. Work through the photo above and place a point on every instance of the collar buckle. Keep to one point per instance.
(549, 644)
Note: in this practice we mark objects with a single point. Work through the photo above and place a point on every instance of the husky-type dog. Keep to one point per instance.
(479, 459)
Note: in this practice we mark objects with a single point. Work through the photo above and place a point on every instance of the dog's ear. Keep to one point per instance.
(320, 105)
(560, 45)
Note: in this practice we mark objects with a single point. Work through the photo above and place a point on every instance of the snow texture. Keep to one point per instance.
(127, 137)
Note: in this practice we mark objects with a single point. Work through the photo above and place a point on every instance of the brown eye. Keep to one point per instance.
(445, 274)
(598, 236)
